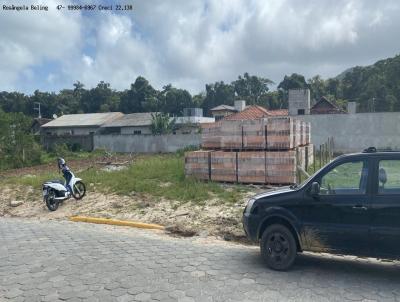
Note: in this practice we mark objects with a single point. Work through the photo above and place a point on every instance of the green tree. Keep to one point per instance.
(198, 100)
(17, 145)
(15, 102)
(217, 94)
(333, 87)
(293, 81)
(317, 87)
(273, 100)
(100, 99)
(48, 103)
(139, 97)
(67, 102)
(174, 100)
(251, 88)
(161, 124)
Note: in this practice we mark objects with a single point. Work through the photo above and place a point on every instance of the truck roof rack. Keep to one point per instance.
(370, 150)
(374, 150)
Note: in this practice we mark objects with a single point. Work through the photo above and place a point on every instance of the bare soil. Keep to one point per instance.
(211, 218)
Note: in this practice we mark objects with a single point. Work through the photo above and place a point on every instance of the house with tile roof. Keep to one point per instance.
(222, 111)
(256, 112)
(324, 106)
(243, 112)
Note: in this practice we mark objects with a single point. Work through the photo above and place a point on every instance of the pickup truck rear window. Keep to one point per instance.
(389, 176)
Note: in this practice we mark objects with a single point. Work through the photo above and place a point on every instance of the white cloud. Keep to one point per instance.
(190, 43)
(120, 55)
(87, 60)
(113, 29)
(29, 38)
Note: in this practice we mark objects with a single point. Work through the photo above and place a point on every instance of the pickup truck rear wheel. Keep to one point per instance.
(278, 247)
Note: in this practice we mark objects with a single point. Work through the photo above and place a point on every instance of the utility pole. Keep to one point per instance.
(36, 107)
(371, 104)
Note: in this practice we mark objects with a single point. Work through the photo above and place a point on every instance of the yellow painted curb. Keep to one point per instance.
(134, 224)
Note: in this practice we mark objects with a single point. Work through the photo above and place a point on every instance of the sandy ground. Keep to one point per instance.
(186, 219)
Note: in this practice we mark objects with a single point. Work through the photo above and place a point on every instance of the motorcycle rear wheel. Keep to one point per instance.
(79, 190)
(52, 203)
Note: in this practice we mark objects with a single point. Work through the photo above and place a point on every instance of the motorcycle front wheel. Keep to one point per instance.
(52, 203)
(79, 190)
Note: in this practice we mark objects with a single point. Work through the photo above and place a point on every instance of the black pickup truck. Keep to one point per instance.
(350, 206)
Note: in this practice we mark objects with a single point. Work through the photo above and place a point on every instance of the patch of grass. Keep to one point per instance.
(32, 180)
(150, 174)
(51, 157)
(156, 175)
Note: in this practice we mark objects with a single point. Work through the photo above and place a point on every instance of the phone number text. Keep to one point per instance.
(97, 7)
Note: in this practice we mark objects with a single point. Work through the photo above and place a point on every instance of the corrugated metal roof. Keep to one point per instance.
(132, 120)
(194, 120)
(83, 120)
(255, 112)
(223, 107)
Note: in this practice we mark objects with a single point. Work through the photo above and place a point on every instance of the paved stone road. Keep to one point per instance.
(51, 261)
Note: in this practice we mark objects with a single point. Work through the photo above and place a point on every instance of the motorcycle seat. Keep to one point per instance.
(55, 181)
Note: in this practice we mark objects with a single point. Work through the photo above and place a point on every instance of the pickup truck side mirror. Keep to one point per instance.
(314, 189)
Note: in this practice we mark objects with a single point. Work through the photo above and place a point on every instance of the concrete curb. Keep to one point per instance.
(134, 224)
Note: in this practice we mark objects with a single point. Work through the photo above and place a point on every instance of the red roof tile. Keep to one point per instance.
(279, 112)
(255, 112)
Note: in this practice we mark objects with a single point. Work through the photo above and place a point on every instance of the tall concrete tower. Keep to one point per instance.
(299, 101)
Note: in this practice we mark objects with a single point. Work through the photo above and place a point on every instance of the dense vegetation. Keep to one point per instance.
(18, 147)
(374, 88)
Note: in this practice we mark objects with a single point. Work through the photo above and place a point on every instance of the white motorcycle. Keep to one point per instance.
(56, 191)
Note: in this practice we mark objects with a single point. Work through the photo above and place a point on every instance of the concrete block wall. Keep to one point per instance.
(145, 143)
(85, 142)
(355, 132)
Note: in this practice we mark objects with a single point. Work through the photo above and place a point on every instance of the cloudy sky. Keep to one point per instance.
(191, 43)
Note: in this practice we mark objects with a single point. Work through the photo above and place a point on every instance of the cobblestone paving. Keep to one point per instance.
(52, 261)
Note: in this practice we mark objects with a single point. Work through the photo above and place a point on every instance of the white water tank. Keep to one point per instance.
(240, 105)
(351, 107)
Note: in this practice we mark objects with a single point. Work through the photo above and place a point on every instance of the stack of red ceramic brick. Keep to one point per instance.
(286, 133)
(272, 167)
(278, 167)
(277, 133)
(197, 164)
(251, 167)
(282, 133)
(211, 136)
(231, 135)
(253, 132)
(281, 167)
(255, 151)
(223, 166)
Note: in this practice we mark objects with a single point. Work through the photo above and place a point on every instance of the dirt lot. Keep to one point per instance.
(211, 218)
